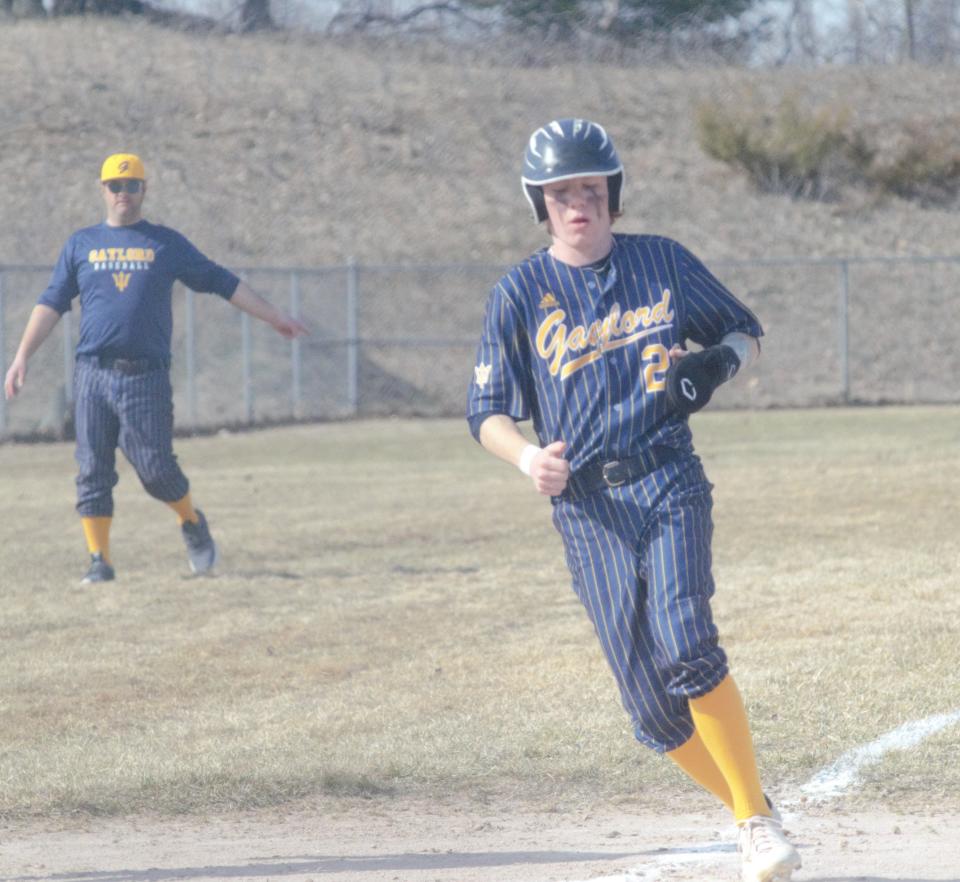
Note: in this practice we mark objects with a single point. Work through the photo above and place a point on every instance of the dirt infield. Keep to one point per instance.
(377, 842)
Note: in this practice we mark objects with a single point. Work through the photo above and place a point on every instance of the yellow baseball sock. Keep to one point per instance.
(693, 757)
(721, 720)
(97, 533)
(184, 509)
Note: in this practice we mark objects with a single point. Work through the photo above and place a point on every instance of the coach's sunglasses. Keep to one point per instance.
(124, 186)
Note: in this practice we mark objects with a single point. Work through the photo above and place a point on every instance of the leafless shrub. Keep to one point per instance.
(925, 168)
(814, 154)
(808, 154)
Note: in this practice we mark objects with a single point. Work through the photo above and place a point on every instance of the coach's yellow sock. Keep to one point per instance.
(184, 509)
(97, 533)
(694, 758)
(721, 720)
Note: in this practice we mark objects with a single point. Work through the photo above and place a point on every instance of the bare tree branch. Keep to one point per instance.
(361, 20)
(911, 32)
(255, 16)
(611, 9)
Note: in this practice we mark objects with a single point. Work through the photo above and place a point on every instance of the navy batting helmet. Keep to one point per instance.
(570, 148)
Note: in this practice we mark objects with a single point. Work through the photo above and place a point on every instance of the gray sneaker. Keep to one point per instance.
(201, 549)
(100, 571)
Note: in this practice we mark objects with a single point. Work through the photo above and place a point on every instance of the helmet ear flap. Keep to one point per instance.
(615, 191)
(537, 202)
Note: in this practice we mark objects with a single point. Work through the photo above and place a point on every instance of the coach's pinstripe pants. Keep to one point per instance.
(640, 559)
(134, 412)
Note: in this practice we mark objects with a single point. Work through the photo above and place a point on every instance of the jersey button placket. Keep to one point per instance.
(605, 299)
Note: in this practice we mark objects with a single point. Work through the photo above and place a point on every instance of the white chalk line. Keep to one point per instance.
(672, 859)
(831, 782)
(839, 777)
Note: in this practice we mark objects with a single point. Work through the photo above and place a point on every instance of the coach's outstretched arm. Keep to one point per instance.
(546, 466)
(41, 322)
(247, 300)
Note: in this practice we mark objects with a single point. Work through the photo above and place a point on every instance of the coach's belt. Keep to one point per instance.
(617, 472)
(127, 365)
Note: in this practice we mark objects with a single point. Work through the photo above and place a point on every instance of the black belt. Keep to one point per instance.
(127, 365)
(617, 472)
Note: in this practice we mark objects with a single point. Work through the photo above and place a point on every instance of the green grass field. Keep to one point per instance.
(392, 617)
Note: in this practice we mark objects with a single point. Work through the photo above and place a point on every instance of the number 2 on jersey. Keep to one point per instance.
(656, 362)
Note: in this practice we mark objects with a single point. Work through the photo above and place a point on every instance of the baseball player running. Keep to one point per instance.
(123, 272)
(587, 338)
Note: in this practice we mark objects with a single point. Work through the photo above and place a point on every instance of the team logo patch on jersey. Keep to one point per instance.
(481, 374)
(121, 280)
(548, 300)
(559, 346)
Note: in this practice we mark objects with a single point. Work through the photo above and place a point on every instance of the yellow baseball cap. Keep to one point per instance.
(122, 165)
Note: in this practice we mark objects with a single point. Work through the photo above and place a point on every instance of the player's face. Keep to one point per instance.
(124, 205)
(578, 218)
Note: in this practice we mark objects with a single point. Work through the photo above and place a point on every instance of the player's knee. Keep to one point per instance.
(697, 672)
(689, 656)
(663, 732)
(95, 505)
(95, 483)
(167, 484)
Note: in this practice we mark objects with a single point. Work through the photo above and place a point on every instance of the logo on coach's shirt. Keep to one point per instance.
(121, 258)
(124, 260)
(618, 329)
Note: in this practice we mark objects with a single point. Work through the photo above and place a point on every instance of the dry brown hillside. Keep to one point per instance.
(284, 150)
(276, 149)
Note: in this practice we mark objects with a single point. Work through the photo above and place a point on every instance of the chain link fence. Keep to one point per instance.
(400, 340)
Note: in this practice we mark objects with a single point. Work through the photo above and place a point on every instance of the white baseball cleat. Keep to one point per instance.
(766, 854)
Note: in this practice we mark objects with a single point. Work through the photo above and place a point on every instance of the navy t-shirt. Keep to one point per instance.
(124, 278)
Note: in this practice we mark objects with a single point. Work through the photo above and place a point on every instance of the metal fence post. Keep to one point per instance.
(68, 357)
(353, 340)
(296, 354)
(844, 328)
(190, 342)
(3, 355)
(247, 367)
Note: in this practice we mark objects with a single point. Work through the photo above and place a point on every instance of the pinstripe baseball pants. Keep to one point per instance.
(640, 559)
(134, 412)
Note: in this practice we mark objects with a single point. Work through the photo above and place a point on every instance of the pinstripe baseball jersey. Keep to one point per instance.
(583, 351)
(124, 278)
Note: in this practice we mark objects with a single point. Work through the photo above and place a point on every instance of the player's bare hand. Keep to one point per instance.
(549, 470)
(15, 379)
(677, 352)
(289, 327)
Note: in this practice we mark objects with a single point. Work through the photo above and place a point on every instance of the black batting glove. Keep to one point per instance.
(692, 379)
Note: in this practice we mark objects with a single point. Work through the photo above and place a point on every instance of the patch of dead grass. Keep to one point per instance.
(393, 616)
